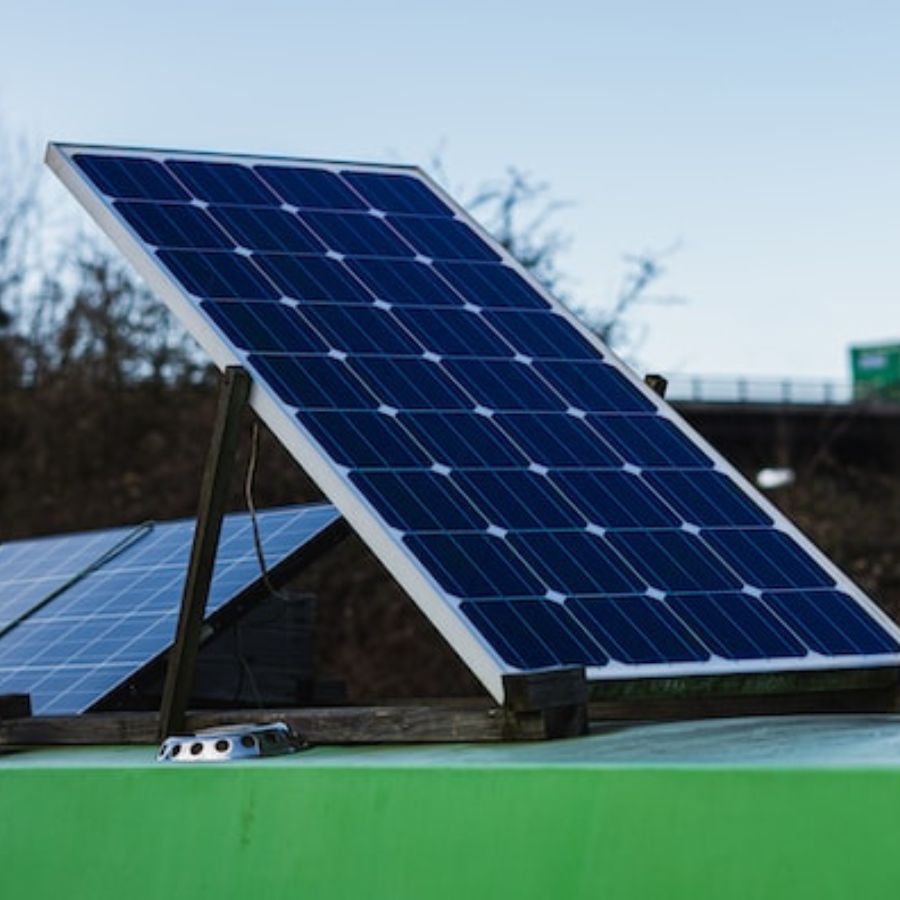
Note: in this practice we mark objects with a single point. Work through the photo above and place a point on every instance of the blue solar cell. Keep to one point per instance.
(360, 329)
(364, 440)
(831, 623)
(673, 561)
(356, 234)
(637, 629)
(312, 278)
(534, 634)
(453, 332)
(736, 626)
(593, 387)
(649, 441)
(503, 385)
(404, 282)
(264, 327)
(218, 275)
(442, 239)
(576, 562)
(517, 499)
(419, 501)
(313, 383)
(104, 628)
(174, 225)
(614, 499)
(397, 194)
(222, 182)
(462, 440)
(474, 565)
(479, 437)
(540, 334)
(263, 228)
(130, 178)
(409, 383)
(557, 440)
(767, 559)
(310, 188)
(491, 286)
(706, 498)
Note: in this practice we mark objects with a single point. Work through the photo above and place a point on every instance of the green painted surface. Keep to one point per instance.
(629, 814)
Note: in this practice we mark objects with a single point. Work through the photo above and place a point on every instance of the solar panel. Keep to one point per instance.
(71, 652)
(539, 503)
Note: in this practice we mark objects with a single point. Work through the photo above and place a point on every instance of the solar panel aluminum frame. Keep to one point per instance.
(384, 541)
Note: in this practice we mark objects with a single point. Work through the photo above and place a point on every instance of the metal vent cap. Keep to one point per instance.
(230, 742)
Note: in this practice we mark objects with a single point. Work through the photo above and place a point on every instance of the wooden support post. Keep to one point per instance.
(657, 384)
(233, 393)
(549, 704)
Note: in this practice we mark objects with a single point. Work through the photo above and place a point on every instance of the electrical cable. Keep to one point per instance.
(249, 479)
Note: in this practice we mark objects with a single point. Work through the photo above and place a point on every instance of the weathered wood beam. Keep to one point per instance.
(547, 704)
(233, 394)
(531, 691)
(343, 725)
(540, 706)
(760, 694)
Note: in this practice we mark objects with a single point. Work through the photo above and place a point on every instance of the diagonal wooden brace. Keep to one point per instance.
(234, 391)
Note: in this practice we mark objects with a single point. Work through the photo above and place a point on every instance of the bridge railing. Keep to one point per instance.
(737, 389)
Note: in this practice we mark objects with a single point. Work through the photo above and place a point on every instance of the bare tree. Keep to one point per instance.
(19, 231)
(615, 325)
(95, 320)
(518, 212)
(521, 214)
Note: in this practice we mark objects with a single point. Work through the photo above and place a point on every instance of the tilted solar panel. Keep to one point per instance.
(539, 503)
(105, 627)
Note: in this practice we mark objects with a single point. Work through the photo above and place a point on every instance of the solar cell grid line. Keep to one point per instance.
(529, 492)
(104, 629)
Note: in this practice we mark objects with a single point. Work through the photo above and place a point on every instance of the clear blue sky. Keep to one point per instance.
(765, 135)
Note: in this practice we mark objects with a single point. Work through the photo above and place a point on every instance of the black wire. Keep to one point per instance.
(249, 479)
(251, 507)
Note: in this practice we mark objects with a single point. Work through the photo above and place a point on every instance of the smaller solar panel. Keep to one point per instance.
(72, 652)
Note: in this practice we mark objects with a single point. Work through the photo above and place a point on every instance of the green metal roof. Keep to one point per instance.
(744, 809)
